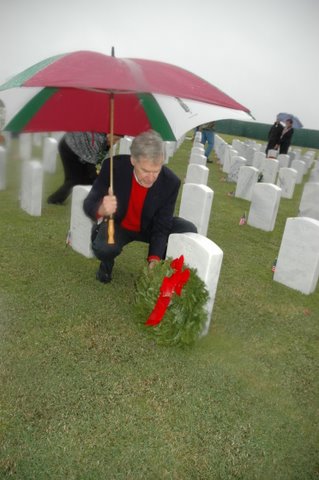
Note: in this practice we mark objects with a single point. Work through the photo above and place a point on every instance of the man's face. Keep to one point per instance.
(146, 171)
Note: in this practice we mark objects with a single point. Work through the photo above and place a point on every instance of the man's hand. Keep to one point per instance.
(108, 205)
(152, 264)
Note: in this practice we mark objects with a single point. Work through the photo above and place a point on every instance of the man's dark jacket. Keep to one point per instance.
(159, 205)
(274, 135)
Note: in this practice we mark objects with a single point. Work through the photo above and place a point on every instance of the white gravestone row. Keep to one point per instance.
(298, 259)
(205, 256)
(80, 225)
(235, 163)
(309, 203)
(247, 178)
(264, 206)
(196, 204)
(31, 187)
(286, 181)
(50, 151)
(3, 168)
(198, 159)
(197, 174)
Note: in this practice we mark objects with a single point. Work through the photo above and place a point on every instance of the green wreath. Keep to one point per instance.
(185, 316)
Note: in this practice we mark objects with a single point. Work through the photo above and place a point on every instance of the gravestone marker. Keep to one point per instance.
(264, 206)
(270, 170)
(50, 150)
(125, 145)
(309, 203)
(31, 192)
(196, 204)
(3, 168)
(80, 225)
(298, 259)
(201, 253)
(198, 159)
(247, 179)
(259, 160)
(286, 181)
(197, 174)
(283, 160)
(235, 163)
(272, 153)
(300, 166)
(25, 146)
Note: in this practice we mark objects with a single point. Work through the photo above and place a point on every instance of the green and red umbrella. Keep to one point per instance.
(72, 92)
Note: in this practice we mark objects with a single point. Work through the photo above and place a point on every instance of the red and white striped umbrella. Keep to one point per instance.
(72, 92)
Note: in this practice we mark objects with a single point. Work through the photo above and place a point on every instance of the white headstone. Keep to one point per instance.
(235, 163)
(283, 160)
(31, 192)
(37, 139)
(197, 174)
(300, 166)
(204, 255)
(25, 146)
(309, 203)
(270, 170)
(80, 225)
(169, 150)
(228, 154)
(272, 153)
(125, 145)
(196, 204)
(286, 181)
(198, 150)
(258, 160)
(298, 259)
(247, 179)
(250, 153)
(3, 168)
(50, 150)
(264, 206)
(198, 159)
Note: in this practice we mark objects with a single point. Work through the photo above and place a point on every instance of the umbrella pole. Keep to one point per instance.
(110, 225)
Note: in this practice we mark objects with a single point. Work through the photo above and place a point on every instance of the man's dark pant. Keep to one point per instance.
(107, 252)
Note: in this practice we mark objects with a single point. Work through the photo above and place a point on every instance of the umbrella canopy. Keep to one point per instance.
(296, 123)
(71, 92)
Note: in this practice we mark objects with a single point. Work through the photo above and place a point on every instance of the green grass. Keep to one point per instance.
(85, 395)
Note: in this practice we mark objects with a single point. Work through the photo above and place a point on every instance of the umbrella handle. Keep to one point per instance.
(110, 231)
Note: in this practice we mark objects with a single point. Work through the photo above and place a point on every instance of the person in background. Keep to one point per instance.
(81, 153)
(142, 206)
(286, 137)
(274, 135)
(208, 136)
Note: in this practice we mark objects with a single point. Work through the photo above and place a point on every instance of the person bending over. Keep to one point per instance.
(143, 203)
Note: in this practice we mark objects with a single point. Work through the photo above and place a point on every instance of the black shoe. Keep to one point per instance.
(103, 277)
(209, 161)
(104, 273)
(54, 201)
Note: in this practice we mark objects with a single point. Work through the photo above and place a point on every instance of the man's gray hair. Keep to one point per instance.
(149, 145)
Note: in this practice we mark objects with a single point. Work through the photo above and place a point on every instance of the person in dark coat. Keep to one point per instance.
(286, 137)
(143, 203)
(274, 135)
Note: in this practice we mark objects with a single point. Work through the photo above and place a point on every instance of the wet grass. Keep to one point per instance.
(84, 395)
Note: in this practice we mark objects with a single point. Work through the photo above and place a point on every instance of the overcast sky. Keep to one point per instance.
(263, 53)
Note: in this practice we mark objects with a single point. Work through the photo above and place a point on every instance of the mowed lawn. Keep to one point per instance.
(86, 395)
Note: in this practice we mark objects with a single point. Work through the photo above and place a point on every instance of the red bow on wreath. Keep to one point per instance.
(170, 285)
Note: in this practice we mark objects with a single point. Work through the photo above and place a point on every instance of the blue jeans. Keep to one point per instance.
(208, 136)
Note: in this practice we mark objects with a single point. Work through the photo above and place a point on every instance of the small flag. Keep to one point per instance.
(243, 220)
(273, 268)
(68, 239)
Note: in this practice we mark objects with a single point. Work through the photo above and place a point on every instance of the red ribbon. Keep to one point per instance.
(170, 285)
